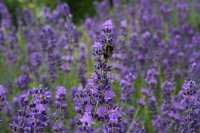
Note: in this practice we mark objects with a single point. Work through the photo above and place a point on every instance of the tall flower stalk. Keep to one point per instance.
(61, 107)
(94, 103)
(2, 100)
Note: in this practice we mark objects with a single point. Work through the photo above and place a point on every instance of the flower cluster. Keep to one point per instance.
(138, 60)
(82, 67)
(94, 103)
(61, 106)
(2, 100)
(33, 115)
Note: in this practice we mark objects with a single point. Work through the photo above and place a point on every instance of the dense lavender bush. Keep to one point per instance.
(132, 68)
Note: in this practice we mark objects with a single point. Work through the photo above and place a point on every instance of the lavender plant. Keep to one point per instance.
(142, 55)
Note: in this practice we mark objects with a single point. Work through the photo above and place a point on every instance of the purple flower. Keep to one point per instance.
(82, 67)
(152, 106)
(33, 115)
(2, 37)
(2, 100)
(190, 118)
(141, 102)
(146, 92)
(28, 16)
(86, 119)
(101, 111)
(58, 126)
(189, 88)
(36, 59)
(151, 79)
(127, 88)
(189, 85)
(23, 81)
(64, 8)
(61, 106)
(61, 97)
(11, 56)
(107, 26)
(167, 89)
(109, 95)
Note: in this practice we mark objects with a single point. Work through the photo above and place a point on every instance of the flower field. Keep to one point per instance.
(134, 67)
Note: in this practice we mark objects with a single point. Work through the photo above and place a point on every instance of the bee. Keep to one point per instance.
(108, 51)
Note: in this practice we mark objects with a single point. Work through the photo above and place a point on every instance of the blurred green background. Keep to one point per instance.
(79, 8)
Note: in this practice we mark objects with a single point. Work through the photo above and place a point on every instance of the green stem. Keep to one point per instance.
(130, 126)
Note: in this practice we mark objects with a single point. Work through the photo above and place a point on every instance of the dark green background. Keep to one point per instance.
(79, 8)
